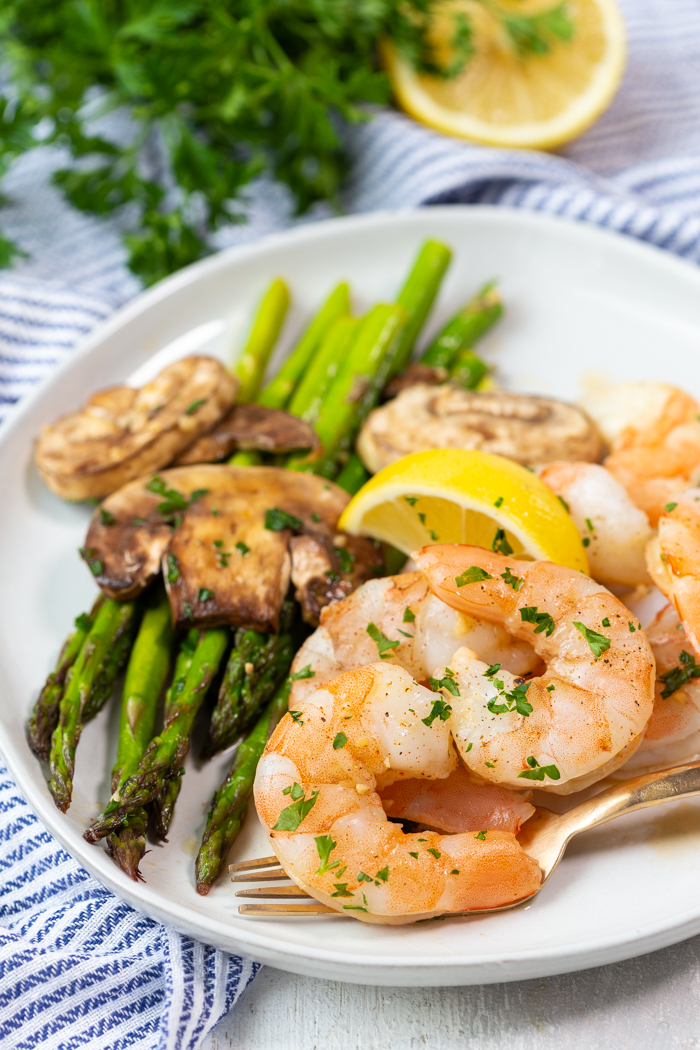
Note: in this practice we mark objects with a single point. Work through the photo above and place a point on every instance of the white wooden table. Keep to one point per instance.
(650, 1003)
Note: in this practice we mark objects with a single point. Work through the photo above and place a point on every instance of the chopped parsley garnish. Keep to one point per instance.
(544, 621)
(191, 409)
(173, 572)
(514, 701)
(564, 504)
(205, 594)
(492, 670)
(384, 644)
(413, 855)
(243, 548)
(455, 871)
(215, 512)
(296, 717)
(339, 741)
(107, 518)
(474, 574)
(421, 518)
(447, 683)
(139, 521)
(500, 544)
(631, 627)
(433, 535)
(679, 676)
(669, 507)
(586, 541)
(291, 817)
(606, 622)
(187, 609)
(305, 672)
(408, 616)
(515, 582)
(383, 874)
(363, 877)
(440, 710)
(315, 517)
(345, 558)
(498, 502)
(89, 555)
(436, 853)
(325, 846)
(598, 643)
(83, 622)
(351, 907)
(218, 543)
(341, 890)
(480, 835)
(490, 765)
(468, 748)
(538, 772)
(295, 790)
(172, 499)
(405, 633)
(551, 688)
(589, 525)
(277, 520)
(411, 499)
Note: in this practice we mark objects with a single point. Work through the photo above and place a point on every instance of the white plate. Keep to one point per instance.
(581, 303)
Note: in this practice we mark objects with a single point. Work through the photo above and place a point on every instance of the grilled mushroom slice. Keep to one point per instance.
(123, 433)
(529, 430)
(250, 427)
(326, 569)
(221, 535)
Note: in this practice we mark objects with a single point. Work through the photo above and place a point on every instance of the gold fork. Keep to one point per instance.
(544, 836)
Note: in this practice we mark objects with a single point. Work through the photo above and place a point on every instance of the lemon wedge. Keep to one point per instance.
(462, 496)
(506, 98)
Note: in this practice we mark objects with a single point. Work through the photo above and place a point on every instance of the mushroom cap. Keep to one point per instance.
(529, 430)
(122, 433)
(250, 426)
(205, 526)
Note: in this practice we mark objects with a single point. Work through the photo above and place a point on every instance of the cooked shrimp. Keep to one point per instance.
(673, 559)
(419, 631)
(672, 734)
(586, 714)
(316, 791)
(654, 437)
(461, 803)
(614, 530)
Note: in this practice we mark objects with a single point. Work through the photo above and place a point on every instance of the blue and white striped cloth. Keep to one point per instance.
(78, 968)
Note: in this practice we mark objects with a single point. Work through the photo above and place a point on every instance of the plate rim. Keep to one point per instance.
(307, 959)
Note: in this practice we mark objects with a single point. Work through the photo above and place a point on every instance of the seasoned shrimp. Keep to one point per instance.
(586, 715)
(461, 803)
(673, 559)
(654, 437)
(399, 620)
(614, 530)
(672, 735)
(316, 791)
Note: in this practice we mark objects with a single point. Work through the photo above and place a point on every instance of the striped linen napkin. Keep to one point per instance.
(77, 966)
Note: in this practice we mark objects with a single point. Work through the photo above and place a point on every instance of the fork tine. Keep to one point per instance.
(276, 875)
(274, 891)
(250, 865)
(286, 909)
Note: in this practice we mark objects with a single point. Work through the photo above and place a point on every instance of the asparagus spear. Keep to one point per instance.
(44, 716)
(418, 294)
(250, 366)
(468, 370)
(277, 393)
(145, 675)
(353, 475)
(230, 803)
(356, 387)
(163, 805)
(255, 666)
(163, 758)
(323, 368)
(463, 330)
(102, 655)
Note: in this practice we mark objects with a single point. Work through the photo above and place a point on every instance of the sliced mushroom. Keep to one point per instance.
(415, 373)
(250, 427)
(225, 559)
(124, 433)
(529, 430)
(326, 569)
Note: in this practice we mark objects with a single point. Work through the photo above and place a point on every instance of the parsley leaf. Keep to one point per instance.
(324, 847)
(277, 520)
(500, 543)
(544, 622)
(205, 595)
(474, 574)
(384, 644)
(513, 701)
(408, 616)
(447, 683)
(681, 675)
(106, 517)
(480, 835)
(440, 710)
(243, 548)
(598, 643)
(291, 817)
(339, 741)
(345, 558)
(173, 573)
(305, 672)
(538, 772)
(515, 582)
(195, 406)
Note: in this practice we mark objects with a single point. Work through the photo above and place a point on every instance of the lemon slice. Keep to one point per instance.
(503, 98)
(462, 496)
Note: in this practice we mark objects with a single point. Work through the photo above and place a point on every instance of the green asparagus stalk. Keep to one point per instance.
(44, 716)
(353, 475)
(252, 362)
(145, 675)
(277, 393)
(245, 458)
(322, 369)
(255, 667)
(465, 329)
(356, 387)
(166, 753)
(230, 803)
(468, 370)
(102, 655)
(417, 296)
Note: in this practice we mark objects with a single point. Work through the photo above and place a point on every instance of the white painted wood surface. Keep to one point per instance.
(650, 1003)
